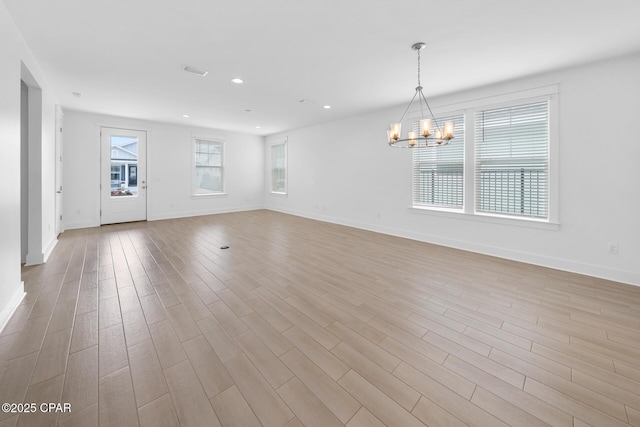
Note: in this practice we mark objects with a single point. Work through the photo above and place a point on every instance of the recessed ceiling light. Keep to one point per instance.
(186, 116)
(237, 81)
(194, 70)
(327, 107)
(257, 127)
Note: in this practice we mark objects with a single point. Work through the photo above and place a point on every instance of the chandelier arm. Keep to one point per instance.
(419, 142)
(431, 112)
(420, 98)
(409, 106)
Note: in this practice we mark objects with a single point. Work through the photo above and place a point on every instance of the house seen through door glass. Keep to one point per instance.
(124, 166)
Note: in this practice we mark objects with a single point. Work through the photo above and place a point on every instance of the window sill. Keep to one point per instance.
(492, 219)
(277, 194)
(206, 196)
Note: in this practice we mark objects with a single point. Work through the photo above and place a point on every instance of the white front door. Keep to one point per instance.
(123, 175)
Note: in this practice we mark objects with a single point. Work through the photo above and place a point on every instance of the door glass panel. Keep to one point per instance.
(124, 166)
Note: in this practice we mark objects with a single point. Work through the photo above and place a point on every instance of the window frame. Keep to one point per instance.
(194, 166)
(469, 109)
(286, 167)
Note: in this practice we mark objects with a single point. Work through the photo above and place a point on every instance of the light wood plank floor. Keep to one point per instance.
(307, 323)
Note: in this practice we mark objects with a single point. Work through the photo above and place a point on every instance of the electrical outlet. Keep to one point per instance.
(612, 248)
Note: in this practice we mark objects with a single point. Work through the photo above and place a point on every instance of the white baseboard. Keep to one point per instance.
(42, 257)
(169, 215)
(47, 252)
(11, 305)
(34, 259)
(81, 224)
(187, 214)
(628, 277)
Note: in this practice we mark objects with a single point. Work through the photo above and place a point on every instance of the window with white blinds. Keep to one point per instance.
(208, 170)
(512, 160)
(438, 173)
(279, 168)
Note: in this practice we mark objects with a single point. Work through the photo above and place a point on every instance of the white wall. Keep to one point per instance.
(14, 58)
(169, 169)
(344, 172)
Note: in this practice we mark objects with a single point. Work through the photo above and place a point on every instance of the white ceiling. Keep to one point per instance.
(126, 56)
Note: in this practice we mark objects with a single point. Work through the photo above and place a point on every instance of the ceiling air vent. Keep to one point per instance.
(194, 70)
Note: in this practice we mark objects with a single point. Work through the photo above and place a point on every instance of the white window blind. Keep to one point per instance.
(208, 173)
(438, 172)
(512, 160)
(279, 168)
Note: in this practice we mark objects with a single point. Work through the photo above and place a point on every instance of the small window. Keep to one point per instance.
(279, 168)
(208, 170)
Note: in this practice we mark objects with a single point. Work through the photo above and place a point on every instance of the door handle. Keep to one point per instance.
(59, 192)
(144, 186)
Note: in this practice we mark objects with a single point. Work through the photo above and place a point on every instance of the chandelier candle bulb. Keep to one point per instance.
(438, 136)
(412, 137)
(425, 127)
(395, 131)
(449, 128)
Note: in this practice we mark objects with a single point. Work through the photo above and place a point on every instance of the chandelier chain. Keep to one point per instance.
(419, 89)
(419, 84)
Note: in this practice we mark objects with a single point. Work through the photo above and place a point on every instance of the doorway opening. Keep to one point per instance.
(24, 171)
(30, 169)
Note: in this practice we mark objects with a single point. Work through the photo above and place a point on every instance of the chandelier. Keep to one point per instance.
(430, 133)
